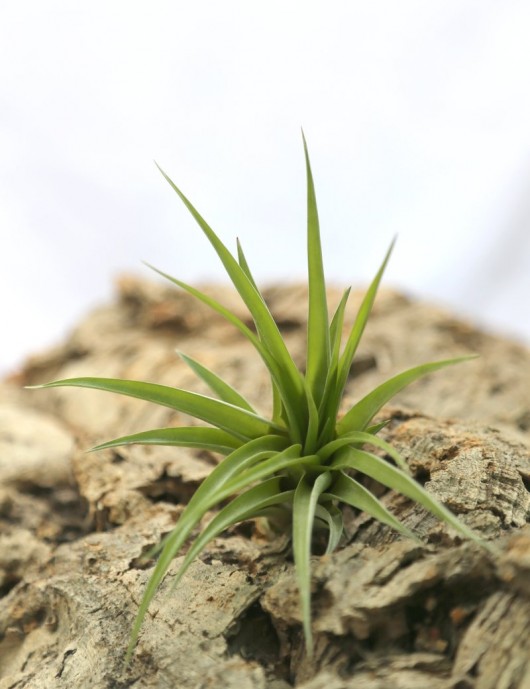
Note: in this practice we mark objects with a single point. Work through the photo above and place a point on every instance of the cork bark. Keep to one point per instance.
(387, 612)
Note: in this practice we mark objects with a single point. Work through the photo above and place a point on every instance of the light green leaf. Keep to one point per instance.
(363, 412)
(204, 498)
(351, 492)
(335, 329)
(211, 439)
(373, 430)
(357, 438)
(243, 507)
(238, 422)
(328, 430)
(237, 463)
(207, 494)
(279, 416)
(244, 265)
(275, 370)
(360, 322)
(289, 458)
(248, 505)
(383, 472)
(327, 419)
(227, 315)
(304, 505)
(265, 324)
(335, 388)
(215, 306)
(311, 438)
(331, 516)
(216, 384)
(318, 344)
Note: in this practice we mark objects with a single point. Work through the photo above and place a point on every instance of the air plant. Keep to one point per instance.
(301, 464)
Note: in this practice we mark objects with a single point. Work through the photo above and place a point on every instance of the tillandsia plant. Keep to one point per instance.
(296, 466)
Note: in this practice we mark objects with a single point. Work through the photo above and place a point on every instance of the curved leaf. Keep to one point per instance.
(244, 265)
(362, 438)
(335, 386)
(243, 507)
(265, 323)
(304, 505)
(201, 501)
(363, 412)
(224, 391)
(248, 505)
(211, 439)
(360, 323)
(335, 329)
(332, 517)
(277, 377)
(289, 458)
(238, 422)
(327, 420)
(375, 467)
(351, 492)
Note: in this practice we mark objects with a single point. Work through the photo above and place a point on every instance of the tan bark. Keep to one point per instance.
(388, 613)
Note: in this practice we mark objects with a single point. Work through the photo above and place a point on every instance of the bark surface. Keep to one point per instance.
(388, 612)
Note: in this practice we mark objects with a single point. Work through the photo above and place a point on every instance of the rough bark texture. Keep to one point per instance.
(388, 613)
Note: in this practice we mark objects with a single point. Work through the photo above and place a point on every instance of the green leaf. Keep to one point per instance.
(211, 439)
(279, 416)
(328, 430)
(360, 321)
(335, 329)
(304, 505)
(241, 508)
(332, 517)
(373, 430)
(351, 492)
(239, 422)
(216, 384)
(244, 265)
(269, 361)
(204, 498)
(248, 505)
(335, 388)
(207, 494)
(310, 445)
(236, 464)
(383, 472)
(215, 306)
(327, 419)
(360, 415)
(291, 385)
(289, 458)
(318, 344)
(227, 315)
(357, 438)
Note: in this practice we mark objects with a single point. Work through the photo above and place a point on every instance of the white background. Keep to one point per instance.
(417, 115)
